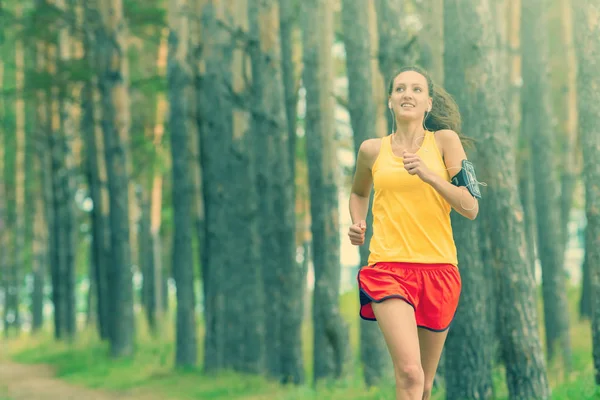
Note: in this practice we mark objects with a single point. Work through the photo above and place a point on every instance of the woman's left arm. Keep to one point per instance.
(453, 152)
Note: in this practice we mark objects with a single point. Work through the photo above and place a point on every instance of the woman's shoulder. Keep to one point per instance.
(446, 135)
(446, 138)
(369, 149)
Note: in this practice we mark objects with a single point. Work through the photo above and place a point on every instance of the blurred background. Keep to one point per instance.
(174, 185)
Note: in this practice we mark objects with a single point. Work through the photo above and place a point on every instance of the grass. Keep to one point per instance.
(151, 370)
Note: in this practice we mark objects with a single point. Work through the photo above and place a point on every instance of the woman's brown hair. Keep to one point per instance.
(444, 112)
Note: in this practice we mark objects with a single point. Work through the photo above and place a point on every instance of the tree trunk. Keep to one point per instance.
(18, 265)
(375, 359)
(468, 353)
(431, 38)
(282, 278)
(294, 282)
(570, 169)
(112, 81)
(536, 105)
(468, 362)
(396, 48)
(330, 333)
(180, 100)
(57, 254)
(234, 329)
(40, 247)
(587, 28)
(526, 193)
(96, 174)
(475, 67)
(287, 23)
(585, 302)
(3, 199)
(155, 269)
(64, 139)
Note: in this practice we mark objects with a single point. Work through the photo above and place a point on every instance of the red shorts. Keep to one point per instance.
(432, 290)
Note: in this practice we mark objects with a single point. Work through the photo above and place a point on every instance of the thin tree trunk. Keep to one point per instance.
(40, 246)
(180, 100)
(96, 171)
(19, 237)
(571, 167)
(375, 359)
(585, 302)
(113, 80)
(156, 267)
(287, 23)
(330, 333)
(292, 364)
(587, 29)
(536, 105)
(3, 199)
(66, 207)
(488, 123)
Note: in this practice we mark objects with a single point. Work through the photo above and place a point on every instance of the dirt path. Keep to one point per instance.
(37, 382)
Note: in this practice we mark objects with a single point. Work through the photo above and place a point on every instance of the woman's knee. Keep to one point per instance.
(410, 375)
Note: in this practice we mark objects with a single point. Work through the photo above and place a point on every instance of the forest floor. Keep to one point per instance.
(36, 367)
(38, 382)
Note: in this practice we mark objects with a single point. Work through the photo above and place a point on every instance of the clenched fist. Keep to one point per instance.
(357, 233)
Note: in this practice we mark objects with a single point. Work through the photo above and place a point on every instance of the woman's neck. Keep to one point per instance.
(407, 131)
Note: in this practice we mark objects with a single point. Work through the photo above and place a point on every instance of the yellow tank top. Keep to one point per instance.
(411, 220)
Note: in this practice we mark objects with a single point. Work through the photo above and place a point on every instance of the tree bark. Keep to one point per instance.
(375, 359)
(330, 333)
(156, 268)
(468, 363)
(468, 353)
(536, 105)
(180, 100)
(431, 38)
(474, 70)
(18, 265)
(287, 23)
(57, 244)
(112, 81)
(3, 199)
(234, 329)
(64, 139)
(396, 48)
(587, 31)
(96, 174)
(281, 276)
(572, 167)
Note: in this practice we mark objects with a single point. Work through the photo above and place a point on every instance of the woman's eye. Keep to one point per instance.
(417, 89)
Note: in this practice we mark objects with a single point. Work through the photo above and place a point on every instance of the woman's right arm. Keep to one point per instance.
(363, 180)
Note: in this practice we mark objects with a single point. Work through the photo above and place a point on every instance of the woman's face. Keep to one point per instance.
(410, 97)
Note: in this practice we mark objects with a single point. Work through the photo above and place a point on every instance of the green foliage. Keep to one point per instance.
(147, 13)
(150, 370)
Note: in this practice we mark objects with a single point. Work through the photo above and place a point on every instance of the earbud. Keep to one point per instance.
(390, 106)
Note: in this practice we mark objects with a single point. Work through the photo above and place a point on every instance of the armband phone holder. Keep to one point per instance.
(466, 177)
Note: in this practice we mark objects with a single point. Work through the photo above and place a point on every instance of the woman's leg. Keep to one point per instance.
(431, 344)
(396, 319)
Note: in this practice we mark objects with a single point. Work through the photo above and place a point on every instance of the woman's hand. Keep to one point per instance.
(357, 233)
(415, 166)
